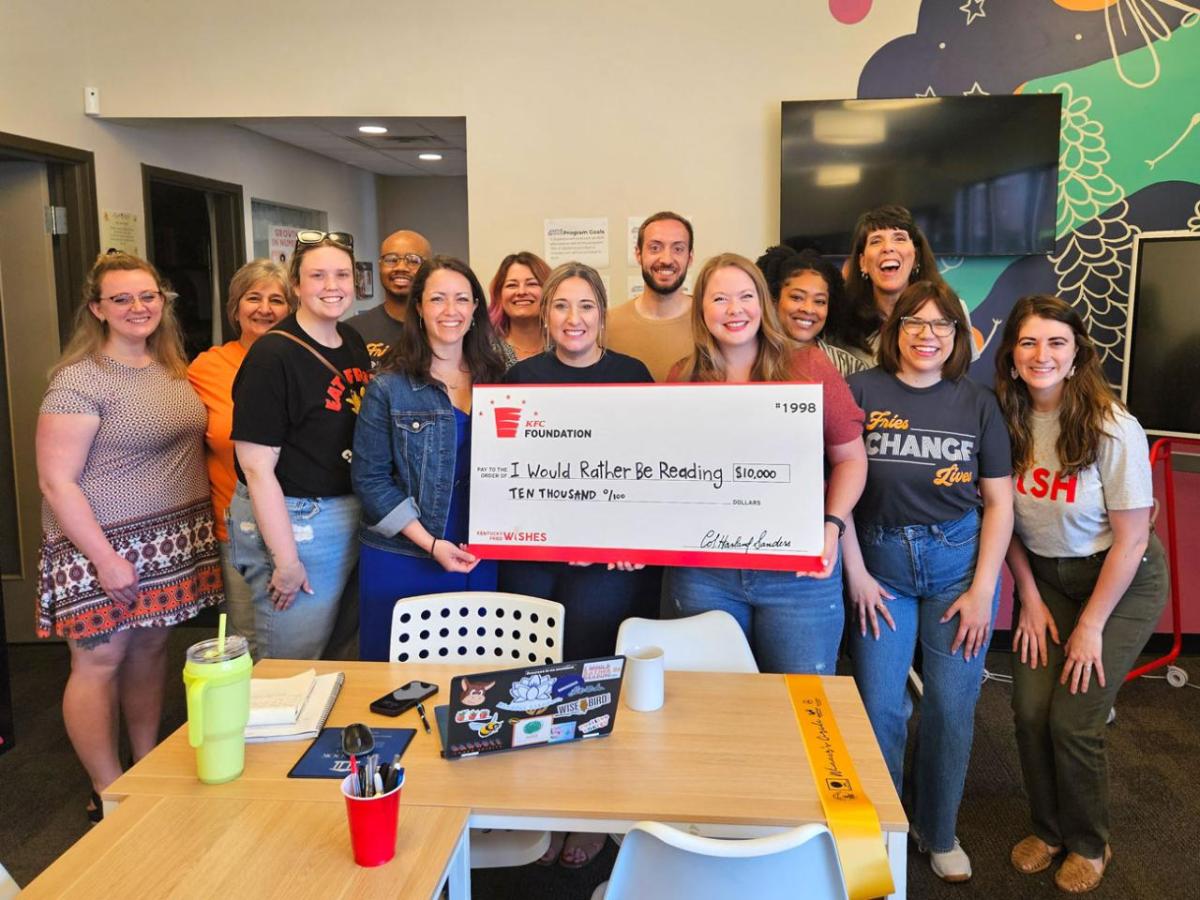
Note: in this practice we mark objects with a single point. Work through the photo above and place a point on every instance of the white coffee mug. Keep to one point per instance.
(644, 679)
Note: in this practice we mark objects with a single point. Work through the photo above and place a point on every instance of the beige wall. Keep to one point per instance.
(572, 109)
(436, 207)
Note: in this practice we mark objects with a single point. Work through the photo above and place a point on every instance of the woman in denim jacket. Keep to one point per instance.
(412, 451)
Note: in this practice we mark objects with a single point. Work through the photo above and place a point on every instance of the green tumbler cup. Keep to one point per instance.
(218, 704)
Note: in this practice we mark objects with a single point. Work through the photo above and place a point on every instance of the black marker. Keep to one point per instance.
(424, 721)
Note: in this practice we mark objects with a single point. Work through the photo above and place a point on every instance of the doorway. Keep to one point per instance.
(49, 236)
(195, 236)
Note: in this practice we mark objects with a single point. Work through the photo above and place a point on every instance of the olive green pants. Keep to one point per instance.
(1060, 736)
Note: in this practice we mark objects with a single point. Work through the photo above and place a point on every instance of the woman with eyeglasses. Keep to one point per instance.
(810, 299)
(932, 528)
(794, 624)
(295, 401)
(516, 306)
(128, 547)
(260, 297)
(412, 451)
(1090, 577)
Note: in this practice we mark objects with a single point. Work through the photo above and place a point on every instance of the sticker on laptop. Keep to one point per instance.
(594, 724)
(582, 705)
(602, 670)
(562, 731)
(573, 685)
(488, 728)
(473, 693)
(532, 731)
(472, 715)
(531, 693)
(476, 747)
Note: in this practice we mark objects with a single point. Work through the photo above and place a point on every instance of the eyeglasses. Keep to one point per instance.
(342, 239)
(148, 298)
(915, 326)
(412, 260)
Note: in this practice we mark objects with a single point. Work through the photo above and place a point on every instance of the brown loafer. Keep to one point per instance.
(1032, 855)
(1077, 875)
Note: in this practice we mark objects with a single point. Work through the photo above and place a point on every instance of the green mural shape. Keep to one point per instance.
(1114, 130)
(1157, 124)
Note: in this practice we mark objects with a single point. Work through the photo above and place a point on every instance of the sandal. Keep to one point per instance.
(1077, 874)
(95, 809)
(1032, 855)
(550, 857)
(580, 849)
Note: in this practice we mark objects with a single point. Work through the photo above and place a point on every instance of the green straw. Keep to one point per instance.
(221, 634)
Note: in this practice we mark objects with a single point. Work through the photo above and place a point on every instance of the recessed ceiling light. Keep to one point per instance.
(429, 157)
(372, 129)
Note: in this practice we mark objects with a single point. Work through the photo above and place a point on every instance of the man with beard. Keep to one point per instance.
(655, 326)
(400, 255)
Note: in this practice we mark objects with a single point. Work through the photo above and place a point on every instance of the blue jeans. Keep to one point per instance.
(793, 624)
(326, 532)
(926, 568)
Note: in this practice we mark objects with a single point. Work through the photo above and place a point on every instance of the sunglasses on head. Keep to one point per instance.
(342, 239)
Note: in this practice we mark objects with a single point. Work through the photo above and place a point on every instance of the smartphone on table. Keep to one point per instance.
(403, 698)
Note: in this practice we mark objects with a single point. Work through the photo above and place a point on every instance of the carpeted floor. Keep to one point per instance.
(1154, 789)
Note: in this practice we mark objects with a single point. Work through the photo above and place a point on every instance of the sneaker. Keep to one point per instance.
(954, 865)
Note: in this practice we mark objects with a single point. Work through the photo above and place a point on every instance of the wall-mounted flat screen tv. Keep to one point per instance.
(1161, 378)
(979, 173)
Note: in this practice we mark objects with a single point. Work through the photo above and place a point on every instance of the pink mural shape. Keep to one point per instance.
(850, 12)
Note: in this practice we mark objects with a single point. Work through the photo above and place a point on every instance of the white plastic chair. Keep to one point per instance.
(659, 861)
(710, 642)
(508, 630)
(503, 630)
(8, 887)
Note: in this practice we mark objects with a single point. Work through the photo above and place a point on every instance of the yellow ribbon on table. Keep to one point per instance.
(848, 811)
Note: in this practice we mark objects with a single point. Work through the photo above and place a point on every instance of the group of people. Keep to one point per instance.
(333, 443)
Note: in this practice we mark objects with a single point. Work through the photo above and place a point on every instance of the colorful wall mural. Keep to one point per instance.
(1129, 75)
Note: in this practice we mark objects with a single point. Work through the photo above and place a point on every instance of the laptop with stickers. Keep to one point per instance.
(532, 707)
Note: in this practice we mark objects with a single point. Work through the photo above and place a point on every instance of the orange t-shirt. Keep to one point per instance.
(211, 374)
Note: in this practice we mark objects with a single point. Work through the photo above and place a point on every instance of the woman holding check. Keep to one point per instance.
(596, 599)
(932, 525)
(1091, 580)
(793, 624)
(412, 451)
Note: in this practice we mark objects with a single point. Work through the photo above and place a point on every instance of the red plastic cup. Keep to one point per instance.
(372, 823)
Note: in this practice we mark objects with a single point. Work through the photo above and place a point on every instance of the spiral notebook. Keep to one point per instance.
(313, 714)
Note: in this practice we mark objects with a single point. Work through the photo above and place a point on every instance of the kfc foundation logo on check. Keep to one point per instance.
(508, 419)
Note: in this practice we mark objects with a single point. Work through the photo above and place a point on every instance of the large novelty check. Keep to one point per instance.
(675, 474)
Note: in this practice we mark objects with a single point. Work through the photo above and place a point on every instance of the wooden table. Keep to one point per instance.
(202, 847)
(723, 756)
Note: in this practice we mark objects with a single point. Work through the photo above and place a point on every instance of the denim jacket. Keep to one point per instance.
(403, 464)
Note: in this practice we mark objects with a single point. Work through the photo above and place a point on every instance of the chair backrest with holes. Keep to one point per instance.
(507, 630)
(708, 642)
(659, 861)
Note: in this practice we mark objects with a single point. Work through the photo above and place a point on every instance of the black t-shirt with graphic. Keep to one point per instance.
(927, 448)
(611, 368)
(284, 397)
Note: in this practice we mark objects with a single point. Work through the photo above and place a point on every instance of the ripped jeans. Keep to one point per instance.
(326, 532)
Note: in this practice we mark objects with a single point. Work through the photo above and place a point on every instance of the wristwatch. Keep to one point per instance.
(841, 526)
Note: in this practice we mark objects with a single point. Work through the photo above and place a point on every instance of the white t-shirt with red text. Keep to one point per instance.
(1059, 516)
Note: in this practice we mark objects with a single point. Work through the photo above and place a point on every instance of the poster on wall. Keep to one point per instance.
(631, 231)
(579, 240)
(364, 281)
(120, 231)
(283, 241)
